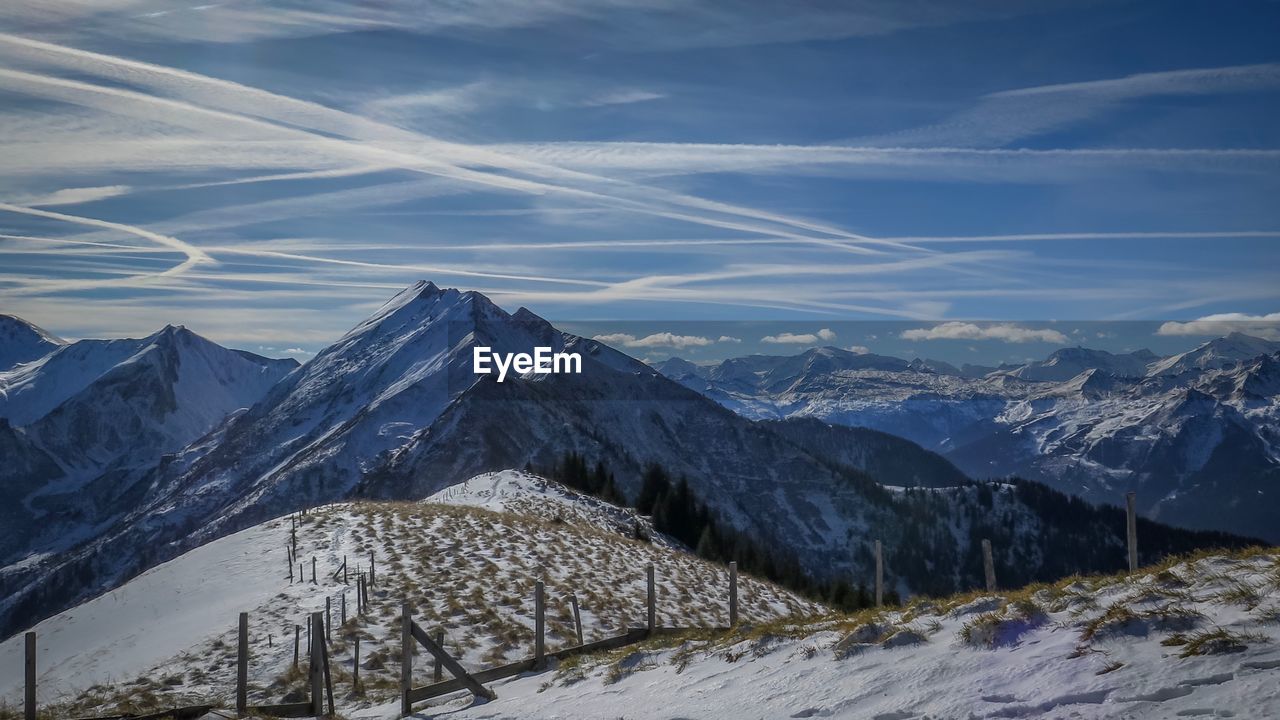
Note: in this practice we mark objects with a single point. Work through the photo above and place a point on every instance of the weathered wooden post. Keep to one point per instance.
(406, 657)
(733, 594)
(296, 631)
(988, 566)
(879, 575)
(437, 673)
(539, 625)
(316, 671)
(290, 559)
(1131, 511)
(29, 670)
(301, 576)
(360, 595)
(269, 636)
(313, 569)
(577, 617)
(653, 602)
(373, 579)
(309, 643)
(344, 569)
(343, 611)
(328, 618)
(242, 667)
(355, 668)
(293, 536)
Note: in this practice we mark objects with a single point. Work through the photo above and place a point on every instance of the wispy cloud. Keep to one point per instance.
(786, 338)
(1263, 326)
(622, 97)
(75, 196)
(661, 339)
(1003, 332)
(1005, 117)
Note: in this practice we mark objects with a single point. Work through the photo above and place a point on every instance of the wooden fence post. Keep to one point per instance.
(373, 580)
(406, 657)
(29, 670)
(290, 559)
(355, 668)
(879, 575)
(343, 612)
(437, 673)
(301, 576)
(577, 617)
(539, 625)
(360, 595)
(328, 677)
(313, 569)
(988, 566)
(344, 569)
(1131, 526)
(733, 594)
(296, 631)
(242, 666)
(652, 601)
(309, 643)
(328, 618)
(316, 671)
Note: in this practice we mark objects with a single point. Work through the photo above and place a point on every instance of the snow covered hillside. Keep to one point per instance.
(1196, 639)
(467, 561)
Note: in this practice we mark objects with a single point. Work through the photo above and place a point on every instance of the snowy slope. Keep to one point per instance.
(523, 493)
(467, 570)
(1094, 648)
(22, 342)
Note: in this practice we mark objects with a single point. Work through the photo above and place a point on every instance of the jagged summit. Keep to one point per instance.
(23, 342)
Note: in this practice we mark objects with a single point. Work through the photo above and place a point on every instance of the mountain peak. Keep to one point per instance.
(21, 342)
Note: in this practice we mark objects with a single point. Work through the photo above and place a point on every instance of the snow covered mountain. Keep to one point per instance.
(1067, 363)
(21, 342)
(1215, 354)
(393, 411)
(86, 421)
(1088, 422)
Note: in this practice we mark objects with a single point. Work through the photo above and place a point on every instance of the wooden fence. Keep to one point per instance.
(320, 680)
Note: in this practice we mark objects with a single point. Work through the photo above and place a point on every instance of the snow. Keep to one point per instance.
(468, 571)
(1041, 667)
(162, 612)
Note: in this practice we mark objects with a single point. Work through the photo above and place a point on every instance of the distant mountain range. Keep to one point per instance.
(131, 452)
(1197, 435)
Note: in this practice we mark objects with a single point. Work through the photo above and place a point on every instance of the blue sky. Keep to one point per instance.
(268, 173)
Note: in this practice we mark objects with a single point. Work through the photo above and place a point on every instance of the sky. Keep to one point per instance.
(268, 173)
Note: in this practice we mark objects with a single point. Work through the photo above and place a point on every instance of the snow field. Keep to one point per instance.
(1194, 639)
